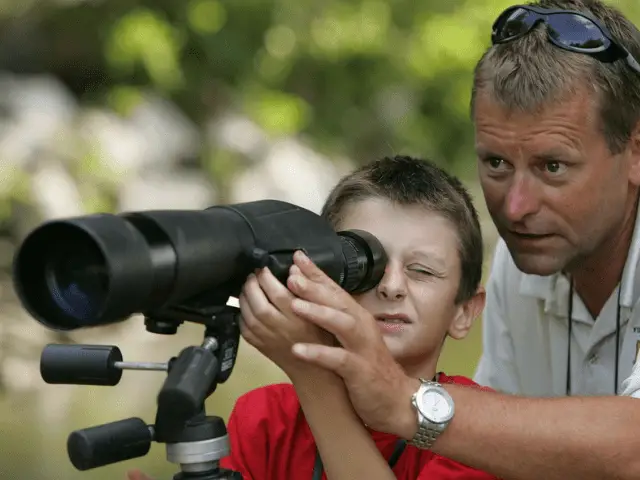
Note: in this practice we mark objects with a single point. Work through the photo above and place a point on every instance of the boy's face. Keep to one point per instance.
(415, 301)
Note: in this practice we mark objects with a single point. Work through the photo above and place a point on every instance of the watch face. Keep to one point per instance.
(436, 407)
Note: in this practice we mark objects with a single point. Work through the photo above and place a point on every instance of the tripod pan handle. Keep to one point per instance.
(80, 364)
(110, 443)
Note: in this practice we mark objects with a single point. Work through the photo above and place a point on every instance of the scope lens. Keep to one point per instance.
(78, 281)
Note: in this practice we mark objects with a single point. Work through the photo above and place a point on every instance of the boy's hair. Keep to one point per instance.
(530, 73)
(409, 181)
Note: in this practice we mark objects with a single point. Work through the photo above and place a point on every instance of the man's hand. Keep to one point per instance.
(379, 389)
(137, 475)
(269, 324)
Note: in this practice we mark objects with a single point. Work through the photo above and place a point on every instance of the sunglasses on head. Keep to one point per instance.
(570, 30)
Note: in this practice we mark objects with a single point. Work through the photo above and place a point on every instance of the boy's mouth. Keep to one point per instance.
(397, 318)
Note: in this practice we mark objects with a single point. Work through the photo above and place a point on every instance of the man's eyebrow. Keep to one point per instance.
(545, 155)
(554, 154)
(482, 152)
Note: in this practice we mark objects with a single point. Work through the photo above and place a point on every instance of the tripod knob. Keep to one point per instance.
(188, 383)
(80, 364)
(110, 443)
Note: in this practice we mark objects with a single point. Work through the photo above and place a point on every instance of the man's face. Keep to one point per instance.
(414, 302)
(552, 187)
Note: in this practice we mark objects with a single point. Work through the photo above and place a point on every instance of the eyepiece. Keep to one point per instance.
(364, 260)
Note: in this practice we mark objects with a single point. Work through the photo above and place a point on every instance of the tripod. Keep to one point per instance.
(194, 440)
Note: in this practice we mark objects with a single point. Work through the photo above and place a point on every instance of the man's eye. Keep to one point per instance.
(554, 167)
(495, 163)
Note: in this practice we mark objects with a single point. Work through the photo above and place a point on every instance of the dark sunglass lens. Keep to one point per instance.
(576, 31)
(514, 24)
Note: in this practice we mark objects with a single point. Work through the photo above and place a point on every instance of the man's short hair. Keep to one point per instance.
(410, 181)
(530, 72)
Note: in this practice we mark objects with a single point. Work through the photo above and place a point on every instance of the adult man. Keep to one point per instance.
(556, 111)
(561, 186)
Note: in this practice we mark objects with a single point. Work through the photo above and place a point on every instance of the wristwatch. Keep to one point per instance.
(435, 409)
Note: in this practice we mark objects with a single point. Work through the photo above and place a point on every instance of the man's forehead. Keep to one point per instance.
(566, 124)
(577, 103)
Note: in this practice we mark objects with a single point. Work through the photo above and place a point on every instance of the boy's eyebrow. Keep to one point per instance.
(431, 257)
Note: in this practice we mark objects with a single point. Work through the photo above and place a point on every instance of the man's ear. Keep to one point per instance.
(466, 314)
(633, 153)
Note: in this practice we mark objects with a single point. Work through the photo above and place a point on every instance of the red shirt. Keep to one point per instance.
(271, 440)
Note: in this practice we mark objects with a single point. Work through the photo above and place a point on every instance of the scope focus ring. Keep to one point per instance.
(351, 273)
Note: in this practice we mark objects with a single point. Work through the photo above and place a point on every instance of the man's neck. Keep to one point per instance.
(598, 275)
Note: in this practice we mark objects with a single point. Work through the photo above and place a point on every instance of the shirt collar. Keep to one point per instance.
(630, 284)
(554, 289)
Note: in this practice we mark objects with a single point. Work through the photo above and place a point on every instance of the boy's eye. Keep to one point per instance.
(420, 270)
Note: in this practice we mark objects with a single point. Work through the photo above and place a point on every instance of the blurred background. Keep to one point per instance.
(107, 106)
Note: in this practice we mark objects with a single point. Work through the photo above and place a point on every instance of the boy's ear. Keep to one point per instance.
(466, 314)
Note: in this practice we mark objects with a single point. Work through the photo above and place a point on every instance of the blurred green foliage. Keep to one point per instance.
(357, 78)
(361, 78)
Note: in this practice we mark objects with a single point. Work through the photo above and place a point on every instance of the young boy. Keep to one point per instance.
(431, 289)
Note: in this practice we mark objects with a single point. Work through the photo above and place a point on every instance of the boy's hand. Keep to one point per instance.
(379, 389)
(269, 324)
(137, 475)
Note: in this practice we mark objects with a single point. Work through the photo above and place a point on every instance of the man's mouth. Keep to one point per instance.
(531, 236)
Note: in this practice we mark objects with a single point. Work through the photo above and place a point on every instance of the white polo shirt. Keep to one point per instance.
(631, 386)
(525, 333)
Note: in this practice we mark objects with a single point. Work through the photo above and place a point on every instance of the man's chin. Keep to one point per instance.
(538, 264)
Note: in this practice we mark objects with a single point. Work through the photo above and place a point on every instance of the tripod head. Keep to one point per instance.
(193, 440)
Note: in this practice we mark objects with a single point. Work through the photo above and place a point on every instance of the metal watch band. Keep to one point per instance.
(424, 437)
(427, 432)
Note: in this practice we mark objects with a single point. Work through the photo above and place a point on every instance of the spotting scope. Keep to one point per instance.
(100, 269)
(172, 267)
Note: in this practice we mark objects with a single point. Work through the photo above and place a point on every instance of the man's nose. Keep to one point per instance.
(393, 285)
(522, 199)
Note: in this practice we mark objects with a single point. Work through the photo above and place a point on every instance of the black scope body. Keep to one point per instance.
(100, 269)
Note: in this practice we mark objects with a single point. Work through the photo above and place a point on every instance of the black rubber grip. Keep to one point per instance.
(110, 443)
(80, 364)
